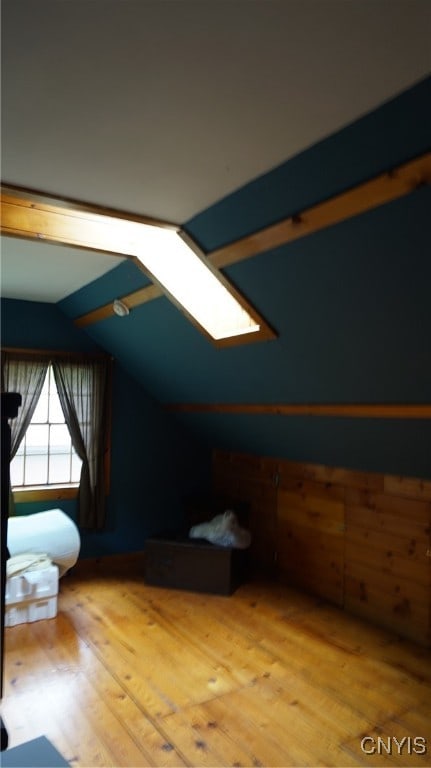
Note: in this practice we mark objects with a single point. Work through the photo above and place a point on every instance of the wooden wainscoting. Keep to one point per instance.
(133, 675)
(387, 568)
(310, 533)
(251, 479)
(360, 540)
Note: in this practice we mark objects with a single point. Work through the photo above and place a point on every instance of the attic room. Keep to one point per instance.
(286, 146)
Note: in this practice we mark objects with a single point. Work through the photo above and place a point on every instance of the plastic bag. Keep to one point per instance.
(223, 530)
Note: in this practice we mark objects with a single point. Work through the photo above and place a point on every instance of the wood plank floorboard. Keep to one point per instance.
(132, 675)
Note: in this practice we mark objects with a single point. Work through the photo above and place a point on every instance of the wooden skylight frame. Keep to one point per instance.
(36, 216)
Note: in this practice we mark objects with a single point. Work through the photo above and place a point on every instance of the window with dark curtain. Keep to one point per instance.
(83, 386)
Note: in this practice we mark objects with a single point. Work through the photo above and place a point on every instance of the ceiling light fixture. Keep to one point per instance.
(120, 308)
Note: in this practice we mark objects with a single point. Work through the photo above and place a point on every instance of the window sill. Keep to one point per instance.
(45, 493)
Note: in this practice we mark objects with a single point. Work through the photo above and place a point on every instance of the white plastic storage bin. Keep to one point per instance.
(31, 596)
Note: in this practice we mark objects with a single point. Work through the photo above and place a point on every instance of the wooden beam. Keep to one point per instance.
(371, 194)
(33, 215)
(130, 300)
(344, 410)
(383, 189)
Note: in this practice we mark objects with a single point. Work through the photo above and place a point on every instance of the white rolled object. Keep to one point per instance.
(223, 530)
(52, 533)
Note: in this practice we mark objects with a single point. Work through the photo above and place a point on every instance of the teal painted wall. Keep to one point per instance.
(155, 461)
(40, 326)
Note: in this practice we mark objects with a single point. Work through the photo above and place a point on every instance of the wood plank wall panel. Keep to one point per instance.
(251, 479)
(411, 487)
(310, 533)
(360, 540)
(387, 567)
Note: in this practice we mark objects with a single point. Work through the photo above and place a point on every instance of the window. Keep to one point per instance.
(44, 463)
(46, 457)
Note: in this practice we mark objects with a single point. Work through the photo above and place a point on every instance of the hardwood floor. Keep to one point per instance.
(131, 675)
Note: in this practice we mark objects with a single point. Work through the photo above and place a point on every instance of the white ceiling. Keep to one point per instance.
(35, 271)
(162, 107)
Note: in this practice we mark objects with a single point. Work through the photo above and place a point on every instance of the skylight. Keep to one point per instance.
(197, 287)
(194, 285)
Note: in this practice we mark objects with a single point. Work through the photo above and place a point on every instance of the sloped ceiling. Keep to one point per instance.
(165, 108)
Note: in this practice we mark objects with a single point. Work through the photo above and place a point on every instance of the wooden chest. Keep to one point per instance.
(193, 564)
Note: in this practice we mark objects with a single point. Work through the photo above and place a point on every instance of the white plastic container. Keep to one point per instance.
(31, 596)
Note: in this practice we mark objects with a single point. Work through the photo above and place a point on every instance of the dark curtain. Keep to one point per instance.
(25, 376)
(82, 387)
